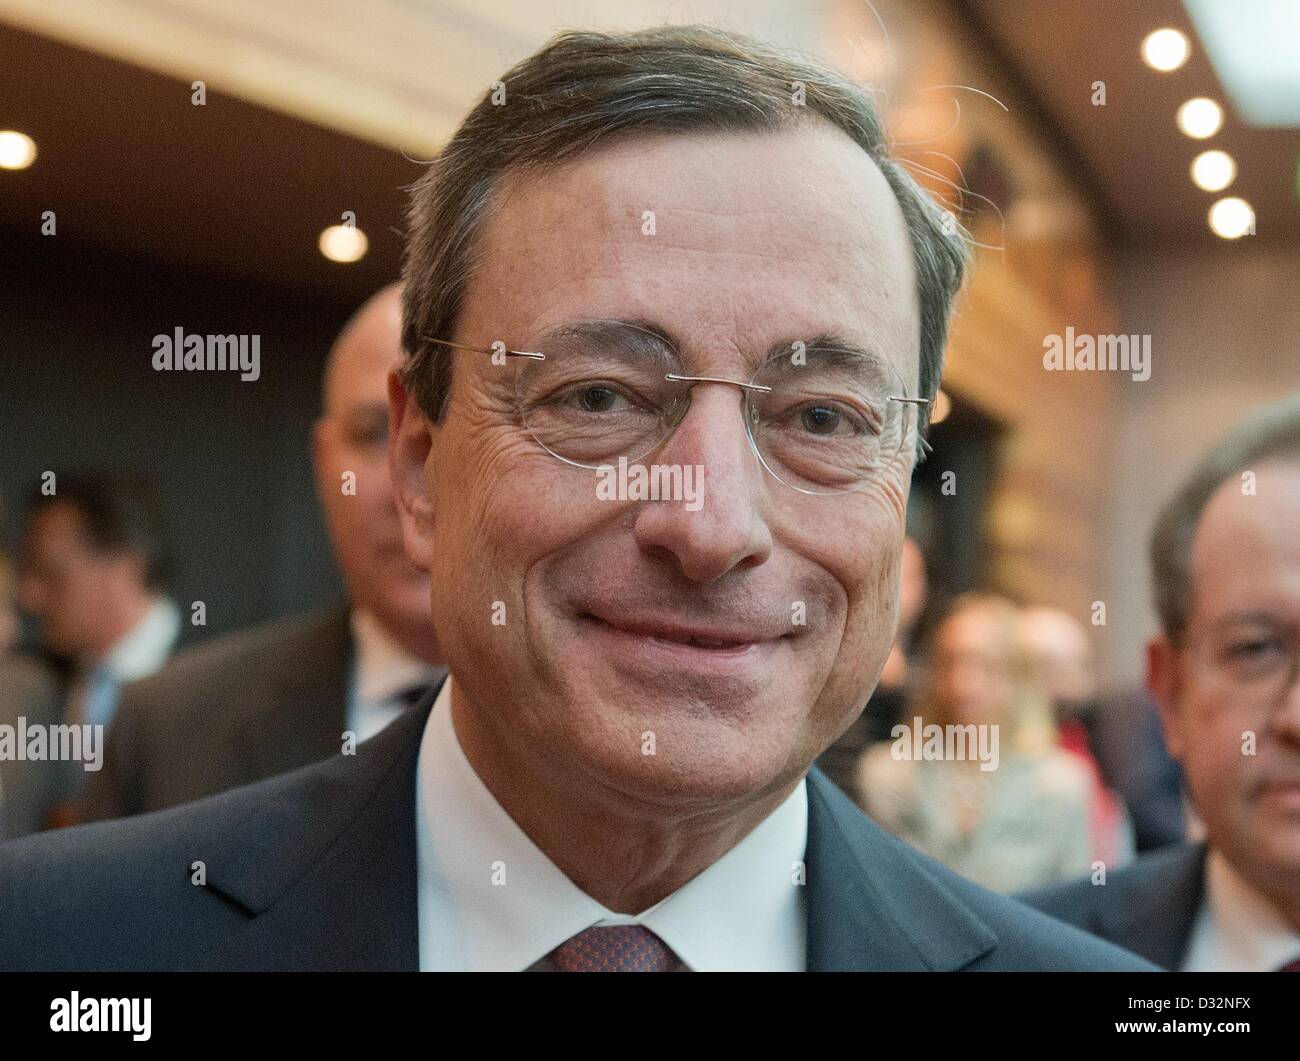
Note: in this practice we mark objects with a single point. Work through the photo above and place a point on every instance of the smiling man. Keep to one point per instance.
(1224, 668)
(678, 249)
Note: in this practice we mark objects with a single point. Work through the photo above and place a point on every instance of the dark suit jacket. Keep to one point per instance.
(244, 707)
(28, 788)
(317, 870)
(1148, 907)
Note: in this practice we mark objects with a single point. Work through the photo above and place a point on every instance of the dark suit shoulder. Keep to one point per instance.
(113, 895)
(243, 707)
(127, 894)
(1031, 940)
(1148, 906)
(219, 669)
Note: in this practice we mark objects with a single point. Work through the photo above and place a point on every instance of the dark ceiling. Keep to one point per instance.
(126, 161)
(1129, 156)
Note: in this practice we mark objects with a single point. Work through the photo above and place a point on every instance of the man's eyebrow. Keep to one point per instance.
(827, 349)
(1249, 618)
(650, 339)
(367, 410)
(629, 336)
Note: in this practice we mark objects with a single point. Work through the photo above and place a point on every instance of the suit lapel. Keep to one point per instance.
(1156, 915)
(343, 894)
(871, 905)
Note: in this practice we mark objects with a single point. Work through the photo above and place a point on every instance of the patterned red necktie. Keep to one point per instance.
(1291, 967)
(613, 949)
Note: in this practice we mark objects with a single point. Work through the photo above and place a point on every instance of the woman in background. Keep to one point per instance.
(1023, 822)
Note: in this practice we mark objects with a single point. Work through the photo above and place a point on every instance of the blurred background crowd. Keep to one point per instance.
(173, 540)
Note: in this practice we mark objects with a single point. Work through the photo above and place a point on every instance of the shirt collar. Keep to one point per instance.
(1246, 930)
(490, 899)
(382, 667)
(147, 644)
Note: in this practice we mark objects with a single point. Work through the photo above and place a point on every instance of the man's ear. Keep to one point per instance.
(1165, 684)
(410, 440)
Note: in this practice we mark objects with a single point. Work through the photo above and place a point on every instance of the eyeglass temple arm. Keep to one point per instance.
(480, 350)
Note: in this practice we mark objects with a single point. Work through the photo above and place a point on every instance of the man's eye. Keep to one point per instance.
(1250, 651)
(822, 419)
(375, 436)
(597, 398)
(826, 420)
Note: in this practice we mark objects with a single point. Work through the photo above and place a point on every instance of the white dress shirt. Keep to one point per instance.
(93, 694)
(490, 899)
(381, 672)
(1237, 928)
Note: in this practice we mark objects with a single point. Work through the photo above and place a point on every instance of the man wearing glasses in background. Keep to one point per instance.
(1226, 562)
(675, 248)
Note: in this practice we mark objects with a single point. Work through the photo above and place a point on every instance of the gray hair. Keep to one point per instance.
(1269, 433)
(584, 89)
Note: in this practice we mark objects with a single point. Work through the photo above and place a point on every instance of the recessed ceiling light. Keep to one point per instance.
(343, 243)
(1165, 50)
(1200, 118)
(1212, 171)
(1232, 218)
(17, 150)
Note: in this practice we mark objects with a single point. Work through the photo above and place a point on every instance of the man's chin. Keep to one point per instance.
(662, 745)
(683, 771)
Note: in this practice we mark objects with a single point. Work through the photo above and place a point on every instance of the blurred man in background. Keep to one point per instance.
(265, 701)
(92, 576)
(1226, 567)
(93, 572)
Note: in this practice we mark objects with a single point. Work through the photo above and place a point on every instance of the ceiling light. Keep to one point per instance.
(1200, 118)
(1165, 50)
(17, 150)
(1212, 171)
(343, 243)
(1232, 218)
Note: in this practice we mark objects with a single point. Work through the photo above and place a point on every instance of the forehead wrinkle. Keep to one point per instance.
(642, 336)
(704, 227)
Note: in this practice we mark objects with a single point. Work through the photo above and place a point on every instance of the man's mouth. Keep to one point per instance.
(702, 636)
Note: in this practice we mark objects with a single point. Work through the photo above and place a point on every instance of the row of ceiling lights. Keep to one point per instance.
(338, 243)
(1166, 50)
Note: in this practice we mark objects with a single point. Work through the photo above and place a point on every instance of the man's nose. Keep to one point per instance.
(724, 527)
